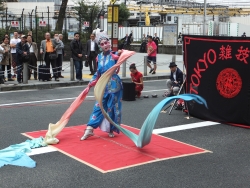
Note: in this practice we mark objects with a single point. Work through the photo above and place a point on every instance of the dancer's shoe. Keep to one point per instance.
(111, 135)
(88, 133)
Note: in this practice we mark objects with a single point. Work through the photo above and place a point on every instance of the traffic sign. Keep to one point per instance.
(42, 23)
(86, 24)
(14, 23)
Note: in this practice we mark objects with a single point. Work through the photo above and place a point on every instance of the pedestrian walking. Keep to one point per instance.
(152, 51)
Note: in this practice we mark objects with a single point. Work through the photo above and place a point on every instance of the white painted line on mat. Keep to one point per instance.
(184, 127)
(42, 150)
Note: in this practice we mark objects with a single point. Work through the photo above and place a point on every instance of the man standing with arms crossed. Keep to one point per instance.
(13, 43)
(151, 50)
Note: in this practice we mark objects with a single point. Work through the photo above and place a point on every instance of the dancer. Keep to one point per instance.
(112, 94)
(137, 78)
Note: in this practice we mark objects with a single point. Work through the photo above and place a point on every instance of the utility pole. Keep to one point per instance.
(205, 17)
(80, 20)
(36, 21)
(48, 18)
(6, 19)
(31, 19)
(22, 19)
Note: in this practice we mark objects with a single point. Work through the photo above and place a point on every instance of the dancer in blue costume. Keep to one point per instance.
(112, 95)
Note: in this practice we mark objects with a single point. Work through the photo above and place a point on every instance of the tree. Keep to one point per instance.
(123, 13)
(88, 12)
(2, 5)
(61, 16)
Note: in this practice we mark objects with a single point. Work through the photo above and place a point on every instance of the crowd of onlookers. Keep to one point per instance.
(22, 48)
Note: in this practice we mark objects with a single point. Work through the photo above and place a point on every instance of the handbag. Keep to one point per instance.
(52, 56)
(86, 64)
(25, 58)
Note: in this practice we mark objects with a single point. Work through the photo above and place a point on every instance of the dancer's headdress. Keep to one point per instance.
(100, 35)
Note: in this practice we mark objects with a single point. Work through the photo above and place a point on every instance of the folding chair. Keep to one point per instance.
(181, 90)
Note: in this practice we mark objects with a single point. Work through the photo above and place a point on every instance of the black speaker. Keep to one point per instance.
(128, 91)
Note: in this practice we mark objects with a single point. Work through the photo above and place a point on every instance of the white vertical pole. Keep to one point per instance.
(205, 15)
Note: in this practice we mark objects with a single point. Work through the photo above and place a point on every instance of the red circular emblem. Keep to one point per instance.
(229, 83)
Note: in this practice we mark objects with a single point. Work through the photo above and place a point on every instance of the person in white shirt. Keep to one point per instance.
(33, 56)
(13, 43)
(92, 50)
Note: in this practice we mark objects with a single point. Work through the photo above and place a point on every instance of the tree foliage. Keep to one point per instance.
(88, 12)
(123, 13)
(2, 5)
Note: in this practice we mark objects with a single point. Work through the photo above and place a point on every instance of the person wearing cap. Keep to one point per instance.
(22, 50)
(175, 81)
(152, 51)
(20, 34)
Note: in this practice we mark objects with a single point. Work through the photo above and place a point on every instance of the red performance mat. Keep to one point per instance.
(109, 154)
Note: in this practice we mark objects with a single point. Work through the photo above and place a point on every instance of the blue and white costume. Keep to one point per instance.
(111, 99)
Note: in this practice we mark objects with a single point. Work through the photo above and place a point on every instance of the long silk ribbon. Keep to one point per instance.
(55, 129)
(145, 134)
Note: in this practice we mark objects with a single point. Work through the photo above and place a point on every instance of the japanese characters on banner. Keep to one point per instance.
(113, 18)
(218, 69)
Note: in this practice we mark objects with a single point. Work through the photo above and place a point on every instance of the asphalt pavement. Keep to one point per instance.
(227, 165)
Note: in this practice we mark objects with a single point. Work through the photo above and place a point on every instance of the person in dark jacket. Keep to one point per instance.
(175, 81)
(77, 55)
(22, 50)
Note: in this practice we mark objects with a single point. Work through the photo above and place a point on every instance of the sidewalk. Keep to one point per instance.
(162, 72)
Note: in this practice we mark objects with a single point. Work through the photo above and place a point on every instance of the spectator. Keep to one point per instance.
(143, 44)
(33, 56)
(151, 50)
(180, 38)
(244, 35)
(175, 81)
(48, 48)
(13, 43)
(77, 55)
(30, 33)
(7, 58)
(137, 78)
(2, 51)
(91, 54)
(126, 41)
(156, 40)
(59, 58)
(22, 49)
(20, 34)
(63, 54)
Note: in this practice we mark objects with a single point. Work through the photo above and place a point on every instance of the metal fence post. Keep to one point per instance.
(25, 73)
(174, 58)
(145, 65)
(72, 71)
(124, 69)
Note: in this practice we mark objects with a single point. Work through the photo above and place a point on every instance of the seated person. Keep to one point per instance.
(175, 81)
(137, 78)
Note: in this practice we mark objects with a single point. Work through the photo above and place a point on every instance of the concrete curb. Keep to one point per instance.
(51, 85)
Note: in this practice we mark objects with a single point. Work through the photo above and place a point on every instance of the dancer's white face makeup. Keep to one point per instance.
(105, 45)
